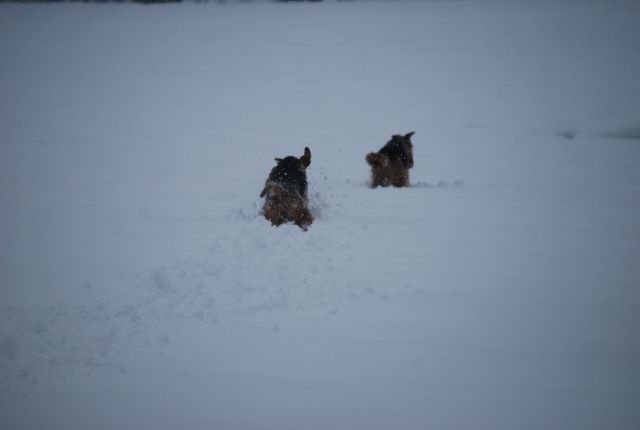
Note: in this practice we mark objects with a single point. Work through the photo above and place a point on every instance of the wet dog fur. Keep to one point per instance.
(285, 192)
(390, 165)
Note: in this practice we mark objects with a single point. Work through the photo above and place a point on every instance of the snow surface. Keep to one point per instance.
(140, 289)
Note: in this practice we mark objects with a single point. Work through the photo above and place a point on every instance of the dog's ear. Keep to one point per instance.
(408, 135)
(278, 160)
(306, 158)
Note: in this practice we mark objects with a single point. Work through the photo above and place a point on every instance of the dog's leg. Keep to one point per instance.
(304, 219)
(276, 218)
(271, 213)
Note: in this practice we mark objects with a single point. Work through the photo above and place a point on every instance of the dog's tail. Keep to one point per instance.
(306, 157)
(375, 159)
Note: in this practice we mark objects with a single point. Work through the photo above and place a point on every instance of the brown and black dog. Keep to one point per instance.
(390, 165)
(285, 192)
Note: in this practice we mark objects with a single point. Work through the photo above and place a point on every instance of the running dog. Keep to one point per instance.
(390, 165)
(285, 192)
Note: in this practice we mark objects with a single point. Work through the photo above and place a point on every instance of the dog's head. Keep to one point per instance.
(400, 147)
(291, 172)
(293, 164)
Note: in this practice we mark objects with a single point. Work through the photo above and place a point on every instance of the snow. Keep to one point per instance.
(140, 288)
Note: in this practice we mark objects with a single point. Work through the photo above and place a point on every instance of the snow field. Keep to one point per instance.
(141, 288)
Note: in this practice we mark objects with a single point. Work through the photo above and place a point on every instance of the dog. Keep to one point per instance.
(390, 165)
(285, 192)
